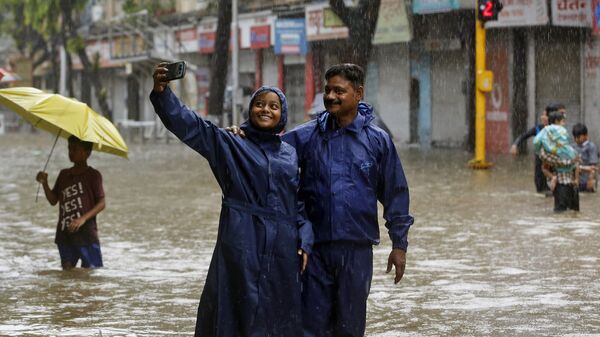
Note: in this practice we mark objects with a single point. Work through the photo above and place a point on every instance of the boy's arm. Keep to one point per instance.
(76, 223)
(392, 192)
(42, 178)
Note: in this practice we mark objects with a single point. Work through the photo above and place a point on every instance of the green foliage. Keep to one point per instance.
(75, 44)
(43, 16)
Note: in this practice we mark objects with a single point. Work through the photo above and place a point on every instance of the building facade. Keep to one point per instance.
(420, 77)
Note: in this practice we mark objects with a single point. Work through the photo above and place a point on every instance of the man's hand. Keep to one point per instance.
(398, 259)
(42, 178)
(76, 224)
(304, 257)
(236, 131)
(159, 76)
(514, 150)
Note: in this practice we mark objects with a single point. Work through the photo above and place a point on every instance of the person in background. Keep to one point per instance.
(539, 179)
(552, 145)
(80, 195)
(588, 178)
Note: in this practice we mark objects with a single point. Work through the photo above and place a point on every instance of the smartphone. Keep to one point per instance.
(175, 70)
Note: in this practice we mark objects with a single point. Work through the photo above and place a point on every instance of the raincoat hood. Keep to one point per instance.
(364, 109)
(265, 134)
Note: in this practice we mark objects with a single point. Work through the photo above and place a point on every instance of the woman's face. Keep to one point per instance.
(266, 111)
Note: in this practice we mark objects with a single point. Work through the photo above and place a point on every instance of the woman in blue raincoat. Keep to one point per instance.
(253, 282)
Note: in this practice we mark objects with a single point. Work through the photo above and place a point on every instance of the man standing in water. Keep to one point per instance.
(539, 178)
(347, 165)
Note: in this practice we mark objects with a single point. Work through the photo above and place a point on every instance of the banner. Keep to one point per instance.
(392, 24)
(290, 36)
(434, 6)
(517, 13)
(316, 29)
(260, 37)
(572, 13)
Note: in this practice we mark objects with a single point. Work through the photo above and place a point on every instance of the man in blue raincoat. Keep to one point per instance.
(347, 164)
(253, 284)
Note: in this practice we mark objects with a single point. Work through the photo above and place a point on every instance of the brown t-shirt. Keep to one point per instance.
(77, 194)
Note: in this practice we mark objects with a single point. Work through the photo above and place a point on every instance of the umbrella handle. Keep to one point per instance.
(46, 165)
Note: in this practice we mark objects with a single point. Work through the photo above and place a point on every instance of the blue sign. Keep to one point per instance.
(290, 36)
(434, 6)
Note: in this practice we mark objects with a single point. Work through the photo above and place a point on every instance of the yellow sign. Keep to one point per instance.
(392, 25)
(330, 19)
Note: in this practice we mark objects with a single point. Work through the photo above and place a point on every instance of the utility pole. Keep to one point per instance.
(235, 64)
(487, 10)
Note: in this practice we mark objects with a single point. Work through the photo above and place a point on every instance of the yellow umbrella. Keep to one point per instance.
(64, 116)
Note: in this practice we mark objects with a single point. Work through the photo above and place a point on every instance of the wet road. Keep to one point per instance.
(487, 256)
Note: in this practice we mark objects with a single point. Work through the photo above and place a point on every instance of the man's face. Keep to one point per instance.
(341, 97)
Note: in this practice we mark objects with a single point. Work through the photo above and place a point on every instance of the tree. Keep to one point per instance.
(77, 45)
(18, 19)
(220, 59)
(39, 26)
(361, 21)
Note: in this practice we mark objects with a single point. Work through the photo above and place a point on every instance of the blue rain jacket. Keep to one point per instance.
(344, 171)
(253, 283)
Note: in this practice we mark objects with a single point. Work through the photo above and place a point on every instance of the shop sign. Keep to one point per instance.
(392, 23)
(207, 35)
(596, 17)
(260, 37)
(207, 42)
(518, 13)
(434, 6)
(290, 36)
(572, 13)
(316, 29)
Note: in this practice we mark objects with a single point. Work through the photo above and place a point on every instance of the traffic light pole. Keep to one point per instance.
(483, 84)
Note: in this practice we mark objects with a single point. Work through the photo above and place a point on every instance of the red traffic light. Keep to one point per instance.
(488, 9)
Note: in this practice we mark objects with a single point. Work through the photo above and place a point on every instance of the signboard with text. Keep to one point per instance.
(316, 29)
(260, 37)
(290, 36)
(517, 13)
(596, 17)
(434, 6)
(392, 23)
(572, 13)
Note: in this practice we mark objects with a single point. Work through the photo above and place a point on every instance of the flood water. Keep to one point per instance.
(487, 256)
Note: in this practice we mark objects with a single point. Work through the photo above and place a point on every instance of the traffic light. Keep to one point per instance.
(488, 9)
